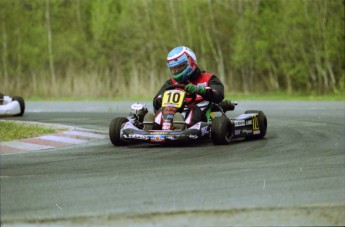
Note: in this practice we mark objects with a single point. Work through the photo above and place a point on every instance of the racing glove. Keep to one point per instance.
(191, 89)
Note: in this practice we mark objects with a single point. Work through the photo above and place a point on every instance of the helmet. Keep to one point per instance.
(182, 63)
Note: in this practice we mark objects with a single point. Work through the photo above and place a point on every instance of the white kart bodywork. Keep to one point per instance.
(10, 107)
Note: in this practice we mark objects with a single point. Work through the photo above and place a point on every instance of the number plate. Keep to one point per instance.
(173, 98)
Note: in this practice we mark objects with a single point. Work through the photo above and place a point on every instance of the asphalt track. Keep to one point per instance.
(294, 176)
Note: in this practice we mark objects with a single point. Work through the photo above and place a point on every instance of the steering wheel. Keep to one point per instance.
(174, 86)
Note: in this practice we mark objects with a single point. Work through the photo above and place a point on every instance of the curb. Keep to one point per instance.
(66, 137)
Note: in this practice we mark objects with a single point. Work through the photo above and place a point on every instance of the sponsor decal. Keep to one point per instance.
(171, 137)
(193, 136)
(246, 131)
(204, 131)
(157, 138)
(159, 133)
(202, 84)
(135, 136)
(239, 123)
(166, 125)
(237, 132)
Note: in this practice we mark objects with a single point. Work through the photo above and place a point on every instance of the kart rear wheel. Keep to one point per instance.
(262, 124)
(21, 104)
(114, 131)
(221, 130)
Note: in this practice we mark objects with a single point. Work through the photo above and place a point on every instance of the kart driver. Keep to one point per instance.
(183, 67)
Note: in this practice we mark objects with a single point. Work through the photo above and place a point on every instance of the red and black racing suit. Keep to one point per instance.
(214, 94)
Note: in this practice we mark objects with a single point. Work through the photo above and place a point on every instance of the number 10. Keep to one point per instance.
(175, 97)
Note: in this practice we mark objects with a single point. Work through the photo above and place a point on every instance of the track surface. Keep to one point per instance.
(295, 176)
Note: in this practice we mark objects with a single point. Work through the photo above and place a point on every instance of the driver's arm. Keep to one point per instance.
(157, 100)
(215, 90)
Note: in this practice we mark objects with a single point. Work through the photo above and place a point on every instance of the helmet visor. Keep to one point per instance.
(179, 68)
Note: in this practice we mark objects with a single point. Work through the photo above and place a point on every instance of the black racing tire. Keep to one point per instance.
(21, 104)
(1, 98)
(262, 124)
(114, 131)
(221, 130)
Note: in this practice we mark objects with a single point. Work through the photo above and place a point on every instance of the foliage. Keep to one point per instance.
(11, 130)
(117, 48)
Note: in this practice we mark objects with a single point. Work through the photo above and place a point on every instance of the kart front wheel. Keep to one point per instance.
(262, 124)
(221, 130)
(115, 129)
(21, 102)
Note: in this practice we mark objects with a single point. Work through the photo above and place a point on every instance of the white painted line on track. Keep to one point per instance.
(63, 139)
(26, 146)
(67, 136)
(86, 134)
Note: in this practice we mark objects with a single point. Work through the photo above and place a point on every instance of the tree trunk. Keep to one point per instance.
(4, 53)
(174, 21)
(216, 48)
(50, 43)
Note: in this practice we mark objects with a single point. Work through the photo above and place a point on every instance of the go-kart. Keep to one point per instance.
(221, 129)
(11, 106)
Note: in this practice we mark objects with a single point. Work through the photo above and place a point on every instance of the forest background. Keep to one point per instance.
(118, 48)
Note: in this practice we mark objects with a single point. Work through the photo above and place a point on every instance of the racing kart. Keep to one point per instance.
(11, 106)
(221, 129)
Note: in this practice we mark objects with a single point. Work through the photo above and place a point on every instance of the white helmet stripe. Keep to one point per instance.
(178, 54)
(184, 50)
(191, 53)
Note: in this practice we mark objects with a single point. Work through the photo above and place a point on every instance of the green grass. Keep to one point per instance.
(285, 96)
(10, 130)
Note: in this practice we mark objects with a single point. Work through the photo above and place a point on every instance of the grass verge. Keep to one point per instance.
(285, 96)
(10, 130)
